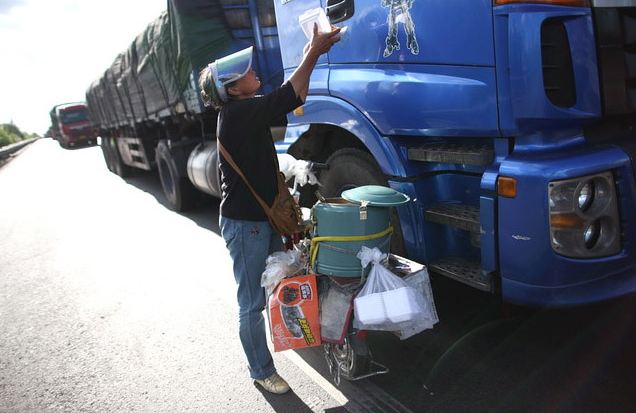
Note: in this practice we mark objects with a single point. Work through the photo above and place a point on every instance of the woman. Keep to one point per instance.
(230, 85)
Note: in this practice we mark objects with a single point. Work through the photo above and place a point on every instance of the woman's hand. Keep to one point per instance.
(320, 43)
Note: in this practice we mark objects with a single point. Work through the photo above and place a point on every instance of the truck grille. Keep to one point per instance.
(81, 132)
(616, 46)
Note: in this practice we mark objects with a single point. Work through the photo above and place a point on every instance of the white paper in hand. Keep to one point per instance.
(308, 18)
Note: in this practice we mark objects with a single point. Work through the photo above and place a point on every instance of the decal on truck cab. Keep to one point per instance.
(399, 12)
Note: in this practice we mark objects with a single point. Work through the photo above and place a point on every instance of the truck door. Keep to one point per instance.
(457, 32)
(393, 51)
(292, 40)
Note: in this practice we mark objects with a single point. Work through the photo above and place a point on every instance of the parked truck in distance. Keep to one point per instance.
(71, 126)
(511, 125)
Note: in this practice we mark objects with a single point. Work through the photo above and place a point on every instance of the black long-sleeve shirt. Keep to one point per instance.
(244, 131)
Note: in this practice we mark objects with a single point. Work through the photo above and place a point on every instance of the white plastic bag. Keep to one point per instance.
(336, 306)
(279, 265)
(385, 302)
(421, 282)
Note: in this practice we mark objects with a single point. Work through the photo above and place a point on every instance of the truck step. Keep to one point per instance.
(461, 216)
(458, 153)
(465, 271)
(133, 153)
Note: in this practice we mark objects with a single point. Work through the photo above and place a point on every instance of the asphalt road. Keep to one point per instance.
(111, 302)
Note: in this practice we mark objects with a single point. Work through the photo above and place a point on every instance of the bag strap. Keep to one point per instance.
(236, 168)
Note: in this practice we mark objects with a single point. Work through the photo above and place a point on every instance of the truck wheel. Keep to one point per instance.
(116, 164)
(179, 191)
(349, 168)
(353, 357)
(349, 360)
(107, 154)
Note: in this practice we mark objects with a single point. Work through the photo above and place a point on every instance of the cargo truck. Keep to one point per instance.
(70, 125)
(510, 125)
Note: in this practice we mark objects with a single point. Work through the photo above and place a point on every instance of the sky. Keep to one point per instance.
(52, 50)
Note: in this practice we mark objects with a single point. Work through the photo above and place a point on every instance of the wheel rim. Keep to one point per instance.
(346, 357)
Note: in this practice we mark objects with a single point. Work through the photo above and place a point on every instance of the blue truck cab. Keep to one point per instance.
(511, 125)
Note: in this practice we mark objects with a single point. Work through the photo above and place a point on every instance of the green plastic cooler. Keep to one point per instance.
(344, 225)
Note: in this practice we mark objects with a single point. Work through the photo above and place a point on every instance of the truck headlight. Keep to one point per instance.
(591, 234)
(586, 195)
(584, 216)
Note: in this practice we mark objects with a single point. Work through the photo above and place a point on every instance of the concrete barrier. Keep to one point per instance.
(9, 150)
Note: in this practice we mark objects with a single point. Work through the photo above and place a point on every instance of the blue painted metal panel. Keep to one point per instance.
(328, 110)
(292, 133)
(524, 235)
(488, 210)
(419, 100)
(291, 36)
(606, 286)
(318, 82)
(523, 104)
(411, 220)
(488, 220)
(431, 241)
(444, 32)
(419, 168)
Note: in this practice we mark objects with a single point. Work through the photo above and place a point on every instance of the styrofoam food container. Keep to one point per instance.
(394, 306)
(402, 304)
(370, 310)
(308, 18)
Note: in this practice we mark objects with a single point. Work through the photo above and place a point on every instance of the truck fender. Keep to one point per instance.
(328, 110)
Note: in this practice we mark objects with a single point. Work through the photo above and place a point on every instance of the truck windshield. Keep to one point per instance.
(73, 116)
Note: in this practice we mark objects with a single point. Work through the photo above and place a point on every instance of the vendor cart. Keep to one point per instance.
(339, 230)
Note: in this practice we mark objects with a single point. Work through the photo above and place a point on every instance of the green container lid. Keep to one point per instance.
(375, 195)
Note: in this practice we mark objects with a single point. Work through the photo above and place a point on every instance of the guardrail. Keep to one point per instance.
(9, 150)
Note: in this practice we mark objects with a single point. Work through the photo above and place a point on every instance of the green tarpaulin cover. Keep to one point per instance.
(149, 78)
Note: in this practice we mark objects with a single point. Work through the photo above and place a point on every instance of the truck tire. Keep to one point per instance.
(107, 154)
(179, 191)
(351, 167)
(116, 164)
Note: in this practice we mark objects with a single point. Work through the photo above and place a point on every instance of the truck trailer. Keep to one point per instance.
(510, 124)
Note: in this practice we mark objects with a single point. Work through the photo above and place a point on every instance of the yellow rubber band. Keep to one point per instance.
(315, 242)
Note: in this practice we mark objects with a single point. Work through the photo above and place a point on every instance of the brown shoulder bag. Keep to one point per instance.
(284, 214)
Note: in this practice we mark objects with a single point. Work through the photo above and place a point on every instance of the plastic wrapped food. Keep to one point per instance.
(279, 265)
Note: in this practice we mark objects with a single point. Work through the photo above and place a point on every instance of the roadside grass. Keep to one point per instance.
(9, 133)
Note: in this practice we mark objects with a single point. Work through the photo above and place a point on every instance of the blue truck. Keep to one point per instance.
(511, 125)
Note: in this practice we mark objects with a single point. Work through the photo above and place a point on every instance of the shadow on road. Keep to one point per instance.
(205, 214)
(476, 359)
(283, 403)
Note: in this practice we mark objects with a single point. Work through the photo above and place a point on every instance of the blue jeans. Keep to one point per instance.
(249, 243)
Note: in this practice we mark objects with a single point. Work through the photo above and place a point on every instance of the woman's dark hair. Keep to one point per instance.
(209, 94)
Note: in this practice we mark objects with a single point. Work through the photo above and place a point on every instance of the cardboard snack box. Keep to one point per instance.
(294, 313)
